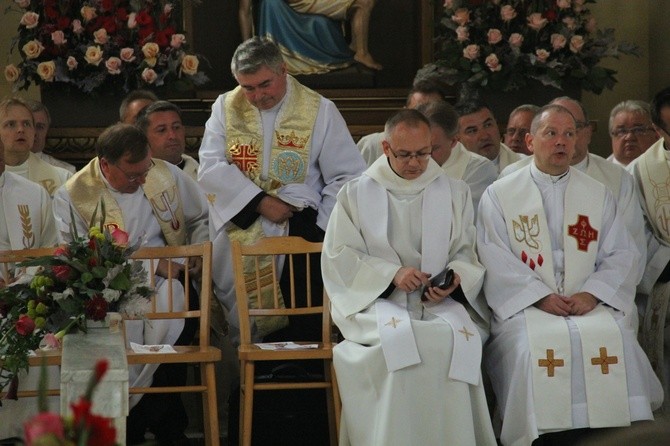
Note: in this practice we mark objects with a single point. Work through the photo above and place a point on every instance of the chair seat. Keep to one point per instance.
(255, 353)
(185, 354)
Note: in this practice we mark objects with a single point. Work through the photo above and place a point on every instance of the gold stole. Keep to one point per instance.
(86, 189)
(289, 160)
(655, 177)
(42, 173)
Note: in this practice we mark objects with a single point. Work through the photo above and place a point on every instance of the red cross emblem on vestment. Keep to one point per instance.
(244, 156)
(583, 232)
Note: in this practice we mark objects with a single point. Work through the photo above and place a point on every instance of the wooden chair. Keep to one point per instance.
(249, 353)
(200, 353)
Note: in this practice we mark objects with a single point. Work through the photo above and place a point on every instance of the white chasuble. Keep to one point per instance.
(549, 335)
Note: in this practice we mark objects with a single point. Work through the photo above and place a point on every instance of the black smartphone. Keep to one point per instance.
(443, 280)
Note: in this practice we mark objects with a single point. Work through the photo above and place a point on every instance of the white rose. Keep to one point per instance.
(47, 70)
(127, 54)
(149, 76)
(71, 63)
(113, 65)
(93, 55)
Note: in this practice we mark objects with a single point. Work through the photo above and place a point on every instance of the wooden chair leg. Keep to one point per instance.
(330, 403)
(209, 406)
(247, 407)
(336, 397)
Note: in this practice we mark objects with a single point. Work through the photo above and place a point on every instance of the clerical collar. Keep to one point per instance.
(181, 164)
(537, 173)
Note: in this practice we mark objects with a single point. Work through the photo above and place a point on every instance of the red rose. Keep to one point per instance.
(62, 272)
(120, 237)
(143, 18)
(62, 251)
(63, 22)
(25, 325)
(107, 5)
(92, 262)
(92, 243)
(41, 425)
(96, 308)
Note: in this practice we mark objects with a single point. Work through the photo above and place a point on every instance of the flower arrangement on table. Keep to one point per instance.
(115, 45)
(81, 429)
(501, 45)
(85, 279)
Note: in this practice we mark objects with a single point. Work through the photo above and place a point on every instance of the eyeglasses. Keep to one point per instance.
(406, 157)
(634, 131)
(136, 176)
(512, 131)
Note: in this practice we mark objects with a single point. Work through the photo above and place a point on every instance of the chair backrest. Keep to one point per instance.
(203, 278)
(261, 272)
(9, 259)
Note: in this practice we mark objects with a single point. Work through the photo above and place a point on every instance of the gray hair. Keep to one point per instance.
(142, 121)
(539, 116)
(37, 106)
(630, 106)
(411, 117)
(255, 53)
(530, 108)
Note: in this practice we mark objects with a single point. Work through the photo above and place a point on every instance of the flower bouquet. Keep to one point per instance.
(85, 279)
(96, 45)
(81, 429)
(502, 45)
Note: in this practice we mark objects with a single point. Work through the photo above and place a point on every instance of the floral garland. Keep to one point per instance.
(96, 45)
(501, 45)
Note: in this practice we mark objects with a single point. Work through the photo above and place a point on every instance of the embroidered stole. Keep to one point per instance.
(87, 188)
(289, 161)
(41, 172)
(393, 320)
(655, 177)
(549, 335)
(23, 213)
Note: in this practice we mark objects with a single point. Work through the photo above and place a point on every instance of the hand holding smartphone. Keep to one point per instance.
(443, 280)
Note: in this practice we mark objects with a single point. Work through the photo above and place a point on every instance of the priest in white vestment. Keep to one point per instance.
(561, 278)
(42, 124)
(159, 205)
(408, 370)
(17, 141)
(26, 221)
(478, 131)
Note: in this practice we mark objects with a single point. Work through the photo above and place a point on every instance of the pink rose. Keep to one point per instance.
(50, 341)
(71, 63)
(127, 54)
(113, 65)
(100, 36)
(76, 26)
(558, 41)
(12, 73)
(563, 4)
(58, 38)
(25, 325)
(462, 33)
(149, 76)
(492, 62)
(461, 16)
(177, 40)
(516, 40)
(88, 13)
(536, 21)
(590, 25)
(576, 43)
(471, 52)
(542, 55)
(47, 70)
(62, 250)
(570, 23)
(167, 9)
(120, 237)
(132, 21)
(30, 20)
(507, 13)
(494, 36)
(41, 426)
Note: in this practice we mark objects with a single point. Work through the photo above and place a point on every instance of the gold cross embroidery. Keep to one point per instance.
(211, 198)
(604, 361)
(550, 363)
(393, 322)
(466, 333)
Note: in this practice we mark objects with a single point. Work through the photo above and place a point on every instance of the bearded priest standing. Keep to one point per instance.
(408, 370)
(561, 277)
